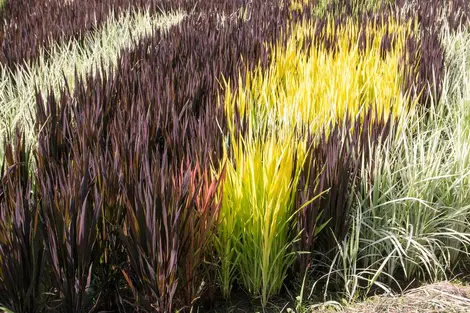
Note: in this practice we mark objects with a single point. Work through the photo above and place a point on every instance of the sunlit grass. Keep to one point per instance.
(320, 86)
(257, 214)
(357, 6)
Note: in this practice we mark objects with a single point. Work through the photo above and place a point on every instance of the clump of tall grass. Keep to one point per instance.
(257, 214)
(333, 169)
(21, 248)
(411, 213)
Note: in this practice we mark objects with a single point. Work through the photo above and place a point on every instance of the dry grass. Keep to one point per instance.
(443, 297)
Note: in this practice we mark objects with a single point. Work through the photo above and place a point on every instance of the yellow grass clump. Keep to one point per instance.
(321, 85)
(254, 235)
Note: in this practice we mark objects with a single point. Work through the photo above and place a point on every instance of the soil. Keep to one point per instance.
(444, 297)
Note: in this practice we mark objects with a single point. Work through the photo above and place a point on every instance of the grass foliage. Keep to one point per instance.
(54, 68)
(354, 69)
(268, 156)
(411, 216)
(256, 232)
(31, 27)
(256, 144)
(351, 7)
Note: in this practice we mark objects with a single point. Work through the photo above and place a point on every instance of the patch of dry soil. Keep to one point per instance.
(443, 297)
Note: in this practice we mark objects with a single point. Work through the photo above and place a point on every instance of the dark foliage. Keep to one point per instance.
(35, 25)
(332, 169)
(21, 249)
(424, 58)
(71, 205)
(119, 153)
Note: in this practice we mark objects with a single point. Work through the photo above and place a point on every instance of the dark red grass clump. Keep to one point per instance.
(333, 169)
